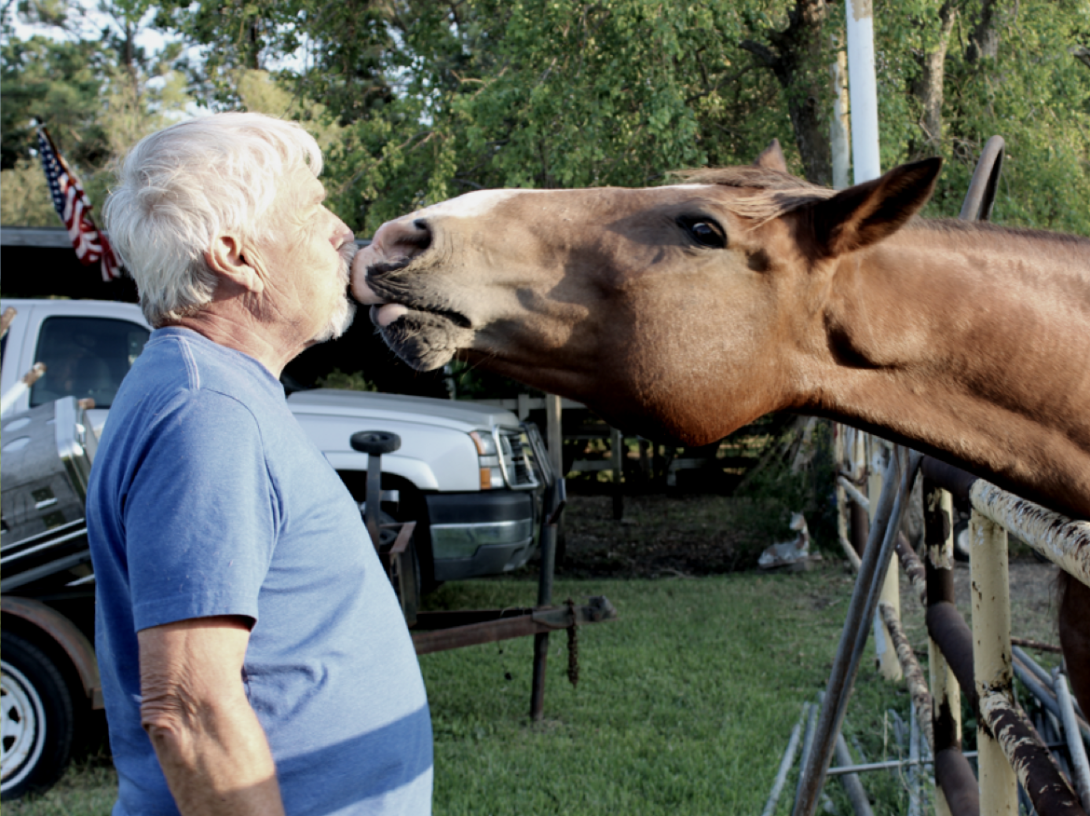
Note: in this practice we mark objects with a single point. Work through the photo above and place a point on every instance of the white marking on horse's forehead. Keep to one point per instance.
(474, 204)
(482, 202)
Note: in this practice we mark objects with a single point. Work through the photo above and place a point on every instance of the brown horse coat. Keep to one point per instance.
(692, 309)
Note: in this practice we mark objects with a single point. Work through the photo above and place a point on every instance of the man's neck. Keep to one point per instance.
(229, 323)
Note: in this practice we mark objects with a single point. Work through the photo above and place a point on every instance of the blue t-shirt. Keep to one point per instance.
(207, 498)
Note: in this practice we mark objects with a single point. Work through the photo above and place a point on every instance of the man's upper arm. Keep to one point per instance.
(190, 664)
(200, 518)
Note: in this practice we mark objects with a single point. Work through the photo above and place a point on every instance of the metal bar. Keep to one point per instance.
(917, 686)
(1036, 645)
(616, 458)
(1042, 692)
(427, 621)
(939, 588)
(890, 592)
(807, 744)
(992, 657)
(1064, 542)
(475, 633)
(853, 785)
(1020, 654)
(978, 201)
(374, 497)
(549, 522)
(955, 779)
(955, 640)
(1029, 759)
(853, 492)
(889, 764)
(913, 567)
(1074, 742)
(914, 755)
(853, 637)
(785, 764)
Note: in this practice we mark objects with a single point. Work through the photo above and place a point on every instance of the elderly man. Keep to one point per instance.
(253, 654)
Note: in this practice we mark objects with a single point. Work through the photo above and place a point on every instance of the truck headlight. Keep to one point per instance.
(489, 460)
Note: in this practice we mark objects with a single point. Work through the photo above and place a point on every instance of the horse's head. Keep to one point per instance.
(650, 305)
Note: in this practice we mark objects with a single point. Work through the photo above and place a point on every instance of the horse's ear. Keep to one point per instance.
(866, 213)
(772, 158)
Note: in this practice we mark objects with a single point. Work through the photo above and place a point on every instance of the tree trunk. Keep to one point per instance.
(984, 39)
(928, 87)
(797, 56)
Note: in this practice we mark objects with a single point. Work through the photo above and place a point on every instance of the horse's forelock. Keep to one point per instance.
(773, 193)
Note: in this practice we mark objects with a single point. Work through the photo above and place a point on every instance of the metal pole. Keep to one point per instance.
(554, 438)
(785, 764)
(992, 657)
(885, 652)
(616, 454)
(545, 594)
(1074, 741)
(863, 90)
(853, 637)
(939, 568)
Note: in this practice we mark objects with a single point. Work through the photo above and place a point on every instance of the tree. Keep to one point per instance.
(96, 89)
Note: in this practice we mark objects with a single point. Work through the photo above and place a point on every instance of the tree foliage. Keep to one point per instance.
(419, 100)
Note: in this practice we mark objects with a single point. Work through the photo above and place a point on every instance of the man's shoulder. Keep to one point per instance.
(206, 365)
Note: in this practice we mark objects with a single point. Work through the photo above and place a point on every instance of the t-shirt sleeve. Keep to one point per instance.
(200, 514)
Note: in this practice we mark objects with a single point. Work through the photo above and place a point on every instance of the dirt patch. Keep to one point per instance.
(656, 536)
(660, 536)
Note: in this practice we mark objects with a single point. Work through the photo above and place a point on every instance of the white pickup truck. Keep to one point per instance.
(465, 473)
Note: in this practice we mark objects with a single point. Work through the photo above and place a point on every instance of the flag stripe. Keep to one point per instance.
(74, 209)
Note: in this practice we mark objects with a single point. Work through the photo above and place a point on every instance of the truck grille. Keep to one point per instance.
(517, 458)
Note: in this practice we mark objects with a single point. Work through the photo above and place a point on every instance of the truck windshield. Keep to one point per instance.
(85, 357)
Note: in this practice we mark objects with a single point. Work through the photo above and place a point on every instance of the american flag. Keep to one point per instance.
(75, 210)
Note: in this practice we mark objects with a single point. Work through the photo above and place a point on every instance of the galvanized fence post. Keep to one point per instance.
(853, 637)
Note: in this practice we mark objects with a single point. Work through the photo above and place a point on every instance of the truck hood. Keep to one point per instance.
(461, 416)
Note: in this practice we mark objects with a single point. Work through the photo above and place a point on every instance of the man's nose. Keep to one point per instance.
(342, 234)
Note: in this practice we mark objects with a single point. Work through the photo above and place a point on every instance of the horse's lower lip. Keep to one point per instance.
(423, 339)
(387, 313)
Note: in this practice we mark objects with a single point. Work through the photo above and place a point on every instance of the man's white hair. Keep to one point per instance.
(181, 187)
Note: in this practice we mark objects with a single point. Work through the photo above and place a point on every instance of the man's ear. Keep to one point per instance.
(772, 158)
(225, 257)
(866, 213)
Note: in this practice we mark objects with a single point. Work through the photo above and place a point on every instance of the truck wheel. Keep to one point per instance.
(38, 719)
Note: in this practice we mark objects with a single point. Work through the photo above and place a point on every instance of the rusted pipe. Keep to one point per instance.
(1029, 758)
(1064, 542)
(948, 477)
(949, 630)
(913, 567)
(1054, 535)
(917, 686)
(939, 579)
(955, 777)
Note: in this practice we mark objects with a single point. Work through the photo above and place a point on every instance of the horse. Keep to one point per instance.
(688, 310)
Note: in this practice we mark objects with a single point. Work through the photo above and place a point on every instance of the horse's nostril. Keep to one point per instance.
(422, 237)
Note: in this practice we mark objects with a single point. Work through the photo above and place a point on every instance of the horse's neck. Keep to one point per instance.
(972, 343)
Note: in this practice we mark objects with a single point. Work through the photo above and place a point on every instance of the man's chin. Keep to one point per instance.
(339, 322)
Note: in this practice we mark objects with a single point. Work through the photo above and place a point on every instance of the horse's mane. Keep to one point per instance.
(773, 193)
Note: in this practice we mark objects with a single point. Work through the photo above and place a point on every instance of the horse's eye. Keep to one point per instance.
(705, 232)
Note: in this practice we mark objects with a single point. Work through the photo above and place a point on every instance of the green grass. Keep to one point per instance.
(684, 704)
